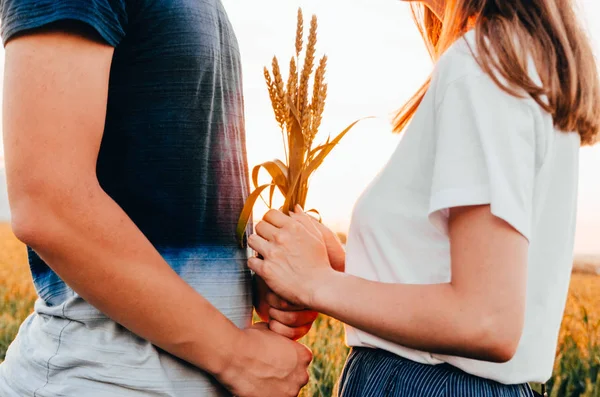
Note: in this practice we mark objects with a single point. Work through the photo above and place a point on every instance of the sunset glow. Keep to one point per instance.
(376, 61)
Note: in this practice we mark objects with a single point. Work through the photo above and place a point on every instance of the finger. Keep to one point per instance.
(293, 319)
(306, 221)
(258, 244)
(266, 230)
(275, 301)
(289, 332)
(325, 231)
(257, 265)
(339, 265)
(335, 250)
(306, 353)
(277, 218)
(260, 289)
(261, 325)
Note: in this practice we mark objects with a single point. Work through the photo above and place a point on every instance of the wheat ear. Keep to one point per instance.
(299, 33)
(280, 117)
(317, 105)
(307, 70)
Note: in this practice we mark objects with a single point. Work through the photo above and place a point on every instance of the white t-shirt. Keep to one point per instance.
(471, 143)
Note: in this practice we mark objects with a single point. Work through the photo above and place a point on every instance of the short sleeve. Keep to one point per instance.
(484, 152)
(107, 17)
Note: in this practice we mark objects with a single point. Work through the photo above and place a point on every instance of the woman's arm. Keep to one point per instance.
(55, 96)
(479, 314)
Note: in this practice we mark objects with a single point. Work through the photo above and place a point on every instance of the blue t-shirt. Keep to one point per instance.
(173, 154)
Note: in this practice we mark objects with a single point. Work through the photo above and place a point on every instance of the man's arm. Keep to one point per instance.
(55, 94)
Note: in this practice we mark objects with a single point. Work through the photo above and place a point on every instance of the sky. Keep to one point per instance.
(376, 61)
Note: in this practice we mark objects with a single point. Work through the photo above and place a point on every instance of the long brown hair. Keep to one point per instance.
(546, 30)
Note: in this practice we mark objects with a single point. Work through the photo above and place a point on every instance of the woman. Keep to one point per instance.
(459, 252)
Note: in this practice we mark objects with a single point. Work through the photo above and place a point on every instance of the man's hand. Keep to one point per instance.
(267, 365)
(286, 319)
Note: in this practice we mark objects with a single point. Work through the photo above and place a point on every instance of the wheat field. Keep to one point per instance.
(577, 370)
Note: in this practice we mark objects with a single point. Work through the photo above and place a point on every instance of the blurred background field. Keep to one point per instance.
(577, 370)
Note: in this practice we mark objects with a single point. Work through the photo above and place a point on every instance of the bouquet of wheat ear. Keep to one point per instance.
(299, 116)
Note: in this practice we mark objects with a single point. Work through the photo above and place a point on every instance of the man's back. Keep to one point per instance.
(173, 158)
(173, 153)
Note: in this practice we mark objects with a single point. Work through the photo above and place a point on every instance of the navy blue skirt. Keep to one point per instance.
(377, 373)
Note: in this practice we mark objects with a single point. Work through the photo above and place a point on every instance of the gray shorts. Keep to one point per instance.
(74, 350)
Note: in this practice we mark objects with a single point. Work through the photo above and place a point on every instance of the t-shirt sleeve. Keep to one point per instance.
(107, 17)
(484, 153)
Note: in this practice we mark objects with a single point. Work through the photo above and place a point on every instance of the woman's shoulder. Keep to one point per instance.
(458, 61)
(459, 66)
(461, 86)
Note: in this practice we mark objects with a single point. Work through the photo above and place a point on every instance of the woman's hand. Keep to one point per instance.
(296, 261)
(283, 317)
(335, 248)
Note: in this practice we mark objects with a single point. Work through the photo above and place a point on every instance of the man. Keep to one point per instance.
(126, 166)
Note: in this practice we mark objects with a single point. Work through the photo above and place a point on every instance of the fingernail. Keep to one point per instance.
(298, 208)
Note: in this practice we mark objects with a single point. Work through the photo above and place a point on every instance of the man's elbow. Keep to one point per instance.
(37, 210)
(29, 220)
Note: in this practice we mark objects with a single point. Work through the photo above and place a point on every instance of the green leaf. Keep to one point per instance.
(247, 212)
